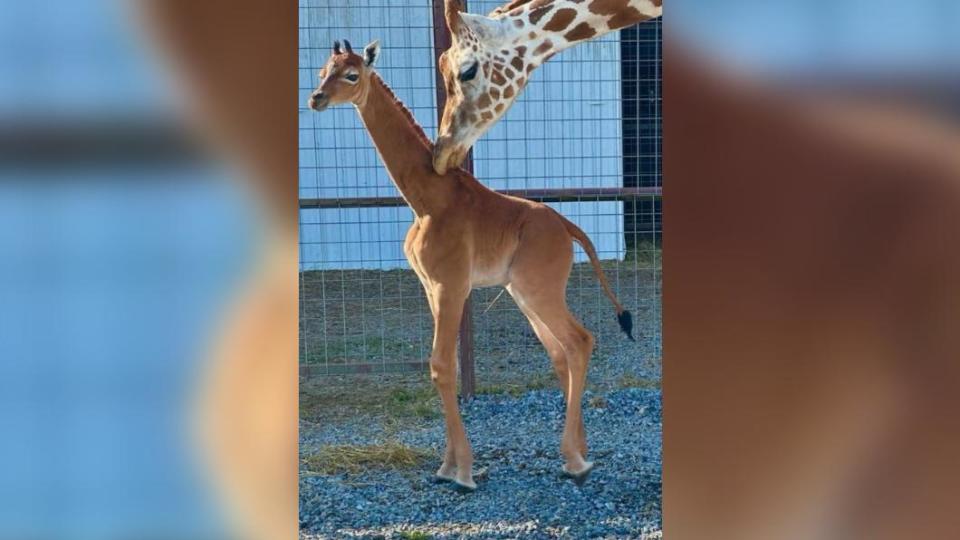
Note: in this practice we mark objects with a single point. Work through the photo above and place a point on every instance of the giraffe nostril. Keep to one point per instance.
(318, 101)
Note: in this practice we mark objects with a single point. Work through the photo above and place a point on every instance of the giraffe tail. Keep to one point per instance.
(624, 318)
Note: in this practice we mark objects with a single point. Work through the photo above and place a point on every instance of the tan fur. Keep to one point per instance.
(463, 236)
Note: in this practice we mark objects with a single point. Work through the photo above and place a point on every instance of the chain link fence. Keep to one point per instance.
(585, 137)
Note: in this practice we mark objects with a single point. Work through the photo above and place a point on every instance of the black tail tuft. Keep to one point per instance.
(626, 323)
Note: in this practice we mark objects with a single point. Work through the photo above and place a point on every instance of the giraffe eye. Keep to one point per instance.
(352, 77)
(470, 72)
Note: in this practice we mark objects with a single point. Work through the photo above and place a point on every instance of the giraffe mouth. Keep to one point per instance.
(318, 105)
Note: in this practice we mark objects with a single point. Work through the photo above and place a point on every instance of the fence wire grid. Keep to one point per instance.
(589, 118)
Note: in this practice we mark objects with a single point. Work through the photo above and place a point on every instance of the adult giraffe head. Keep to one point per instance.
(491, 58)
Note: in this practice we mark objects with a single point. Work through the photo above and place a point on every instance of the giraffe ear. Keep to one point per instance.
(371, 52)
(485, 28)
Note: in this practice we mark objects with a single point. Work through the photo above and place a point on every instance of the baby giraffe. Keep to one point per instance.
(463, 236)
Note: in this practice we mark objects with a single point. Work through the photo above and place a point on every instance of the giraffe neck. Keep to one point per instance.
(403, 147)
(546, 27)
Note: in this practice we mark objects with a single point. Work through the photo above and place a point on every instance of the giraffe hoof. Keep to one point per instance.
(445, 474)
(441, 479)
(579, 478)
(464, 488)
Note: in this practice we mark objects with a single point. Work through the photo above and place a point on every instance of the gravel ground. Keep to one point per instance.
(378, 322)
(521, 495)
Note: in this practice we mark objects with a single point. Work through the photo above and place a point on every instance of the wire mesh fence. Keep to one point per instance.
(585, 134)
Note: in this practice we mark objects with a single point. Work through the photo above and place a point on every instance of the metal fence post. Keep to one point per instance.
(441, 42)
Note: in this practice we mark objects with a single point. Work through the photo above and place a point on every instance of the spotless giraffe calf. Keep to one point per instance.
(465, 235)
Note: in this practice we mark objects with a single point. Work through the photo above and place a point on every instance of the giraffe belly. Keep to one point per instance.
(489, 276)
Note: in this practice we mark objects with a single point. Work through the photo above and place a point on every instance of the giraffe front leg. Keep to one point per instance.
(448, 469)
(458, 459)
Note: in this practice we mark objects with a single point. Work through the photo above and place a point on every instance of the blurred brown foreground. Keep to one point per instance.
(811, 295)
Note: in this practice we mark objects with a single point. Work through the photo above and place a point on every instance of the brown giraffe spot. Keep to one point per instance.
(495, 93)
(657, 3)
(484, 101)
(521, 50)
(538, 9)
(561, 19)
(508, 93)
(608, 7)
(518, 23)
(486, 70)
(538, 13)
(497, 78)
(544, 47)
(629, 17)
(530, 68)
(509, 73)
(549, 56)
(517, 64)
(520, 82)
(512, 4)
(473, 119)
(499, 108)
(486, 115)
(532, 35)
(580, 32)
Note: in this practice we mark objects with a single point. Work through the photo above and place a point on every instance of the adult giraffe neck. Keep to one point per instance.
(403, 147)
(548, 27)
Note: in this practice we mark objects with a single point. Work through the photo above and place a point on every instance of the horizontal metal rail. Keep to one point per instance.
(539, 195)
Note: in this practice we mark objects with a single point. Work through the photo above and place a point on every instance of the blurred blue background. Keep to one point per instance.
(844, 36)
(74, 59)
(113, 273)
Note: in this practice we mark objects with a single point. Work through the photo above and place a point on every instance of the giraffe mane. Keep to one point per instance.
(509, 6)
(406, 112)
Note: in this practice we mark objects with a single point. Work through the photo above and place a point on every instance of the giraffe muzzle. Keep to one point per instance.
(318, 101)
(447, 155)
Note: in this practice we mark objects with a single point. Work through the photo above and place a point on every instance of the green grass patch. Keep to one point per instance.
(645, 254)
(366, 397)
(632, 381)
(414, 535)
(336, 459)
(538, 382)
(359, 349)
(421, 402)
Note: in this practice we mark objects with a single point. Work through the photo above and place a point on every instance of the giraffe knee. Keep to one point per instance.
(556, 354)
(581, 345)
(588, 341)
(441, 372)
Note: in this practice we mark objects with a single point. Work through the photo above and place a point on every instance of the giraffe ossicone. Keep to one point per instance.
(491, 58)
